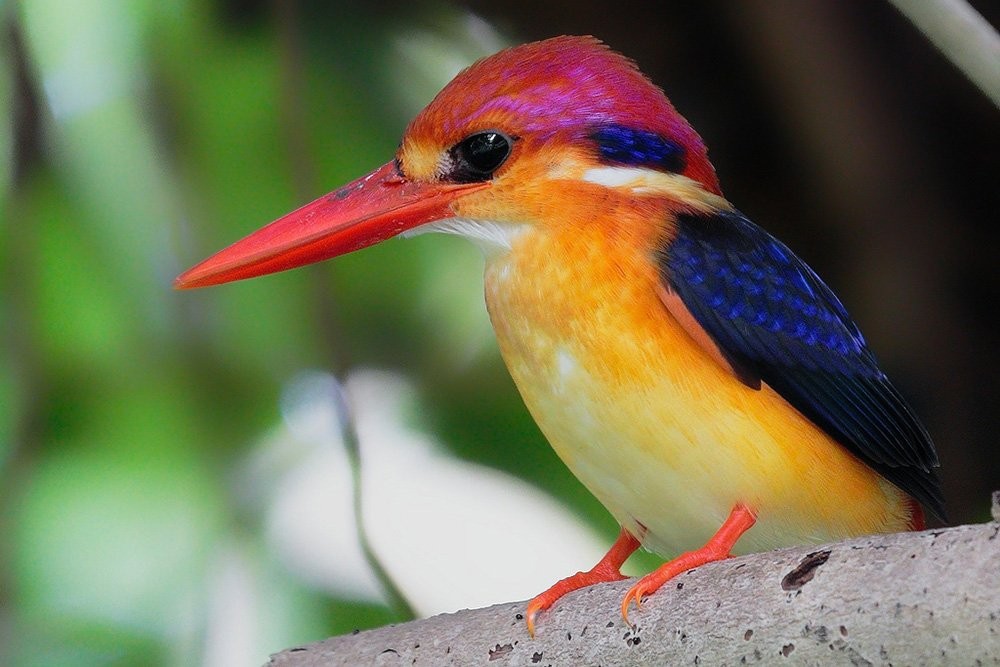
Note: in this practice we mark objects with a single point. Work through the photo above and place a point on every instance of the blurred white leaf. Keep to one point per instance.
(452, 534)
(233, 623)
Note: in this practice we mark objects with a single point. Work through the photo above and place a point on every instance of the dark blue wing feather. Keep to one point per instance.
(775, 321)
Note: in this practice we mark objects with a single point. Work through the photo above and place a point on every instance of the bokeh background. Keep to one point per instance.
(179, 472)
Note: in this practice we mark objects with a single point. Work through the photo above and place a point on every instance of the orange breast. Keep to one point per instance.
(662, 434)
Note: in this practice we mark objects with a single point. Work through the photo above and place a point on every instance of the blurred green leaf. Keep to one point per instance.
(10, 398)
(92, 71)
(6, 114)
(112, 540)
(83, 318)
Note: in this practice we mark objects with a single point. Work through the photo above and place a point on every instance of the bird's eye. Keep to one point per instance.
(476, 157)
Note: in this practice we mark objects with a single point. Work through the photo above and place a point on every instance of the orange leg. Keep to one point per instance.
(609, 569)
(740, 520)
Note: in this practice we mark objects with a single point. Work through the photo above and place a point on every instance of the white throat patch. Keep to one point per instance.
(490, 235)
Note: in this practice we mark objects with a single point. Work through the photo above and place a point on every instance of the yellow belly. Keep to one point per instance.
(664, 436)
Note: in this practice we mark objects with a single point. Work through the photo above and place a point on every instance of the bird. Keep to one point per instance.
(696, 375)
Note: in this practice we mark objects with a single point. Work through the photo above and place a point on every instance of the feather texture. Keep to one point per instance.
(775, 321)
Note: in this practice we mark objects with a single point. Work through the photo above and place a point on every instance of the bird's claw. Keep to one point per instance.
(534, 608)
(635, 594)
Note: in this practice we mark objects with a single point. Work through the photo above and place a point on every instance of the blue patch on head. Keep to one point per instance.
(620, 145)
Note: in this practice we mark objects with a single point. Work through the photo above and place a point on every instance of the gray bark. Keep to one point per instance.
(928, 598)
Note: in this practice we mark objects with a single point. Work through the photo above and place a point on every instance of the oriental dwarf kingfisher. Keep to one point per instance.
(696, 375)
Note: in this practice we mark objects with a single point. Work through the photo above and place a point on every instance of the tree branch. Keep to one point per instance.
(912, 598)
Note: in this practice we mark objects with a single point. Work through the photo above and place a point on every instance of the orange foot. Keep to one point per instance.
(609, 569)
(740, 520)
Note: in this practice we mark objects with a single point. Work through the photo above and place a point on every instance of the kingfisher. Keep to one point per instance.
(694, 373)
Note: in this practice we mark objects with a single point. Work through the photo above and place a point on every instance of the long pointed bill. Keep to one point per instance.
(362, 213)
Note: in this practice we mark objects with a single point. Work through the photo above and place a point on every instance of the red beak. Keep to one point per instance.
(362, 213)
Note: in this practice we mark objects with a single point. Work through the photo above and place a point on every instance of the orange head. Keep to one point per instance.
(535, 134)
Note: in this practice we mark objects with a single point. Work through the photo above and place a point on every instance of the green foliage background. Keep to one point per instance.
(165, 131)
(136, 137)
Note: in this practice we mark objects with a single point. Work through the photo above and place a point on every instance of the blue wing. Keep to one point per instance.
(775, 321)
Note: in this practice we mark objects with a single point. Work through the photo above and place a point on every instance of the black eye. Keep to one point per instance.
(476, 157)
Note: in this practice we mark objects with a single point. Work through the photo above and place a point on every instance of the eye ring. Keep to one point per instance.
(477, 157)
